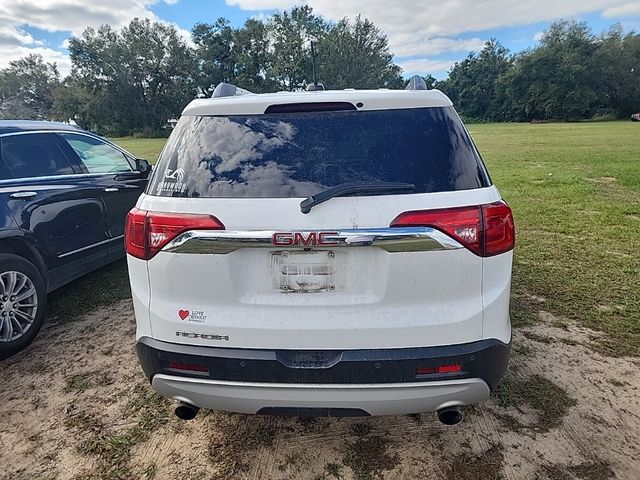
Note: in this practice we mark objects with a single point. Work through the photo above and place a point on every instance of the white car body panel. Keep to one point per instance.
(385, 300)
(496, 292)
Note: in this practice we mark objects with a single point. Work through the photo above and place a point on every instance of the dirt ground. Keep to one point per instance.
(75, 405)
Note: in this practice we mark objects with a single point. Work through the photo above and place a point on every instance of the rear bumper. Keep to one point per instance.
(322, 400)
(353, 382)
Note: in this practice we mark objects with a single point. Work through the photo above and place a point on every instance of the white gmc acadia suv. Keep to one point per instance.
(322, 253)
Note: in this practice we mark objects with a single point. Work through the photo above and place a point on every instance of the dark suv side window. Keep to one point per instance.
(5, 174)
(34, 155)
(97, 156)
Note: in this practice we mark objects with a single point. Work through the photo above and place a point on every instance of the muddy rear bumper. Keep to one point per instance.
(484, 359)
(322, 400)
(229, 379)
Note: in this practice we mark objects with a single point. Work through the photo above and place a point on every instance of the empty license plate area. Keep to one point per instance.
(303, 272)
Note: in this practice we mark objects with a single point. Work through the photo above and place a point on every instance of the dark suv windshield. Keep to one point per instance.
(299, 154)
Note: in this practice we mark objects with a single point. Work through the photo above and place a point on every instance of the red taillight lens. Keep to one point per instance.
(486, 230)
(146, 233)
(134, 233)
(499, 229)
(463, 224)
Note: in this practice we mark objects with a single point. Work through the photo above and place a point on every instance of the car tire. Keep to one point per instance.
(25, 277)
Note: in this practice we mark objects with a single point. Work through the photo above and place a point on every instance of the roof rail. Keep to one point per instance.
(228, 90)
(416, 82)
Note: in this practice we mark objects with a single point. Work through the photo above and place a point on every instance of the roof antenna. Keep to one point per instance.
(315, 86)
(416, 83)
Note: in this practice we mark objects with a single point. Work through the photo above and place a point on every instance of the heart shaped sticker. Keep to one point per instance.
(183, 314)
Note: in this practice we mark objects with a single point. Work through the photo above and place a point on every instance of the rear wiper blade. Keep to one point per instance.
(350, 188)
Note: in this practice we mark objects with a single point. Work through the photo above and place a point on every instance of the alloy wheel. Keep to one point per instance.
(18, 305)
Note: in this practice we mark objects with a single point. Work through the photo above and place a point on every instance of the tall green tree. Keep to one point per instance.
(215, 54)
(356, 55)
(73, 102)
(473, 83)
(138, 78)
(291, 35)
(233, 55)
(556, 80)
(617, 63)
(252, 48)
(26, 89)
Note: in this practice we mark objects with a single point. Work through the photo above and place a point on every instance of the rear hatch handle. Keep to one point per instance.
(350, 188)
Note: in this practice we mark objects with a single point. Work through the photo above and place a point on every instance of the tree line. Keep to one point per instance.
(132, 80)
(572, 74)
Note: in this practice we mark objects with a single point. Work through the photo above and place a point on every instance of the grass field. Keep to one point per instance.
(147, 148)
(556, 414)
(575, 192)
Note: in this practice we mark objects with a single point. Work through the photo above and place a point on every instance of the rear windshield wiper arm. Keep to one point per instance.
(350, 188)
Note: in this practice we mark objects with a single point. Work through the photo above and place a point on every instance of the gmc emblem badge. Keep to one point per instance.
(302, 239)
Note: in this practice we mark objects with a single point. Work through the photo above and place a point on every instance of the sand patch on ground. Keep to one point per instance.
(76, 405)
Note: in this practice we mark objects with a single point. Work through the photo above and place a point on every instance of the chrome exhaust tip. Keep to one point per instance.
(186, 411)
(450, 415)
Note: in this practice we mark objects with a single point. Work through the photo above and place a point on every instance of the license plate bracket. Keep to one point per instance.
(303, 271)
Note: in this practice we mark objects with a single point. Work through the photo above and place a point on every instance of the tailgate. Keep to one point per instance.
(338, 278)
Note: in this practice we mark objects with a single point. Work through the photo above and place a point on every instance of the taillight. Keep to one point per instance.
(135, 233)
(499, 229)
(486, 230)
(463, 224)
(146, 233)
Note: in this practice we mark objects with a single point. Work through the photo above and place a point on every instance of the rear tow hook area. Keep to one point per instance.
(450, 415)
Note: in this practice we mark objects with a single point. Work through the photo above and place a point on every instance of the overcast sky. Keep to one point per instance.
(425, 37)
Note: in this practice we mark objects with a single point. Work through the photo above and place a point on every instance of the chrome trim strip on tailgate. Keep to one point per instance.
(406, 239)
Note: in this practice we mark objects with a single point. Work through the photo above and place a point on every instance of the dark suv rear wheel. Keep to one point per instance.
(22, 303)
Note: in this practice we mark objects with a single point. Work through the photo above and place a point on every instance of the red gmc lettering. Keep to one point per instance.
(322, 241)
(282, 239)
(288, 239)
(312, 239)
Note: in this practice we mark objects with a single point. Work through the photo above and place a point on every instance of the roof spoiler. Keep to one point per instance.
(229, 90)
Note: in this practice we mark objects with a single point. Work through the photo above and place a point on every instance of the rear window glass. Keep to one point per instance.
(300, 154)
